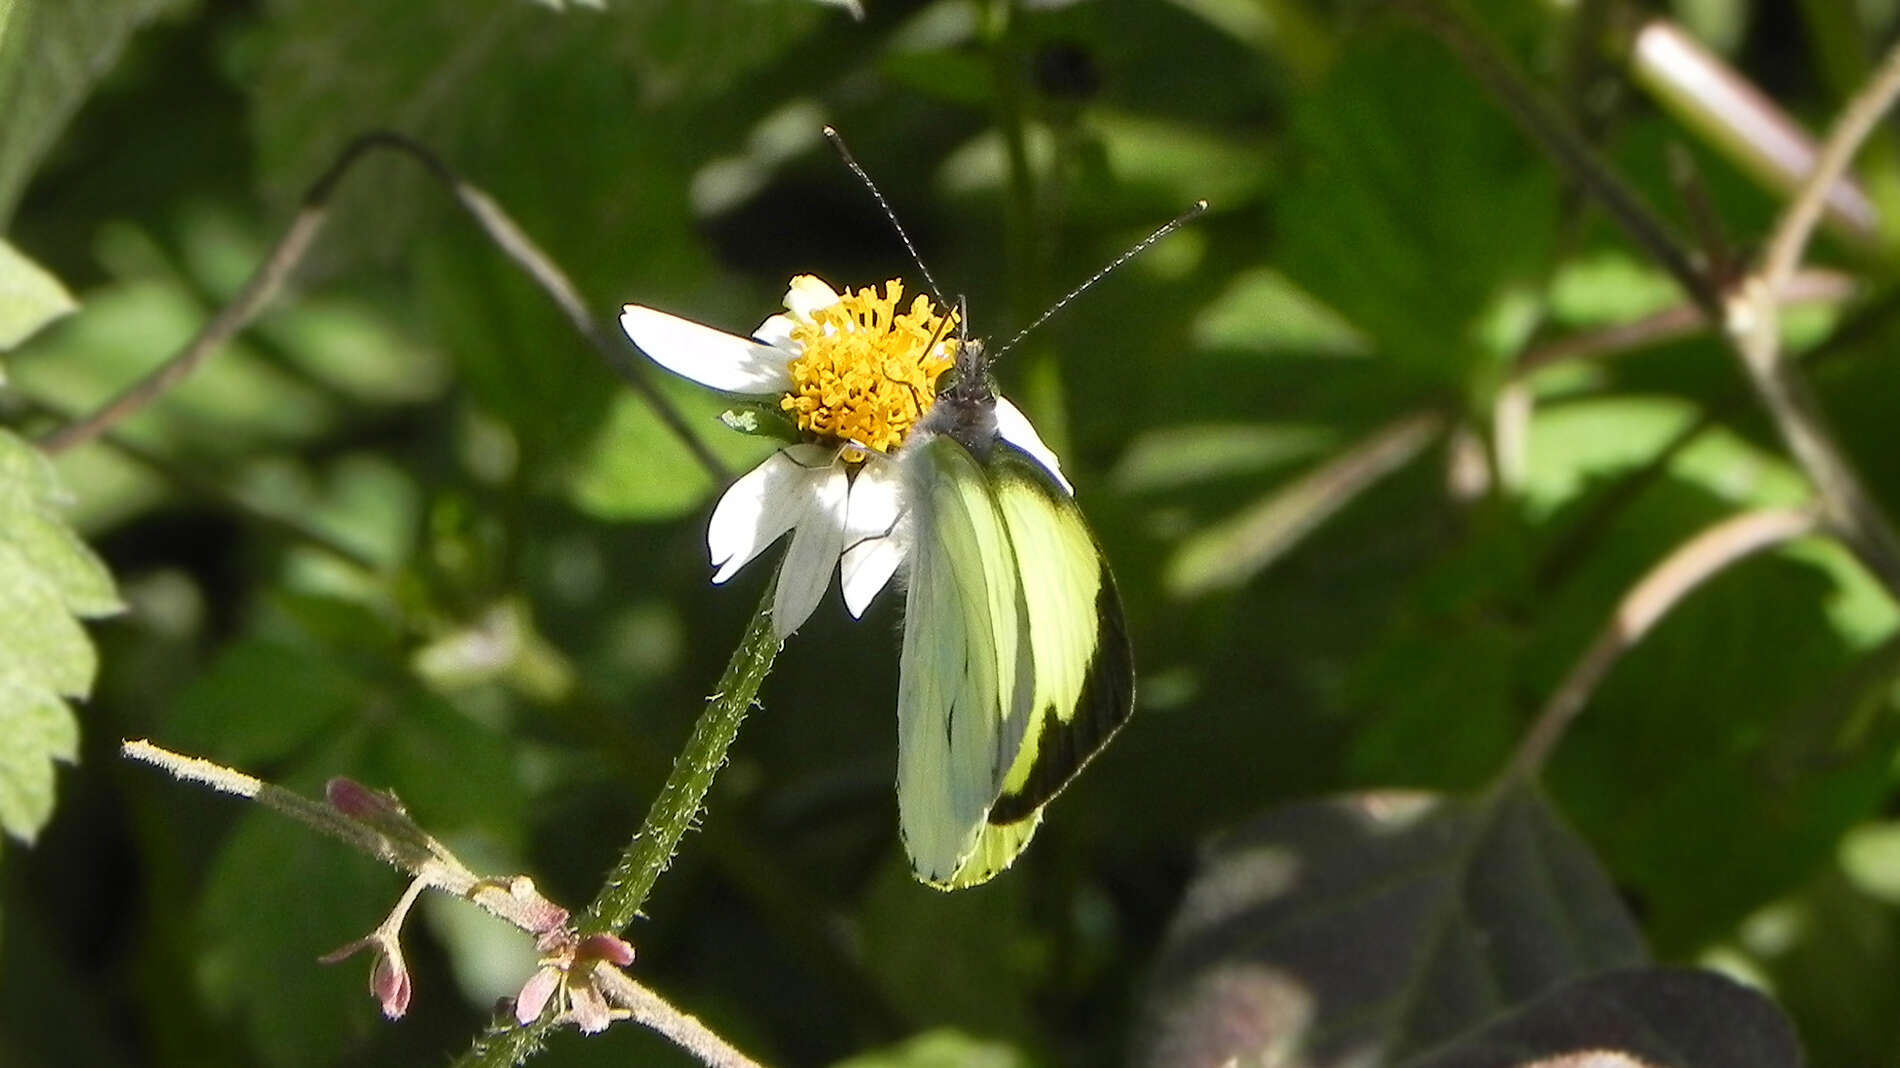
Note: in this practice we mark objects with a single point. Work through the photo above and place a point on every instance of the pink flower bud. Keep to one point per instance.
(359, 802)
(606, 947)
(389, 982)
(533, 999)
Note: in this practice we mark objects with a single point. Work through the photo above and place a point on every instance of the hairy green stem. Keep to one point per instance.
(678, 804)
(667, 821)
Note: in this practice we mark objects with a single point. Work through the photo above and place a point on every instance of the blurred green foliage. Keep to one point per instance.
(410, 528)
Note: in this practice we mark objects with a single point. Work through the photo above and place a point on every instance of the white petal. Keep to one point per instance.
(808, 294)
(873, 545)
(763, 504)
(1015, 428)
(777, 332)
(710, 357)
(816, 543)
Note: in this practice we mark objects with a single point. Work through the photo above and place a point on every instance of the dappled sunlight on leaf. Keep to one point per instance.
(1374, 928)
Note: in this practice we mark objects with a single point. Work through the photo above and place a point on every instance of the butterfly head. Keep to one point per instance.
(965, 410)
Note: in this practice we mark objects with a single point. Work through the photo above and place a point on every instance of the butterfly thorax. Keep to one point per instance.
(965, 411)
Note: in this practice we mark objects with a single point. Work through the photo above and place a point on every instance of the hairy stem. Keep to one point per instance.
(668, 819)
(684, 1029)
(677, 806)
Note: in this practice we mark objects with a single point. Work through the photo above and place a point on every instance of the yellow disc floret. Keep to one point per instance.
(866, 373)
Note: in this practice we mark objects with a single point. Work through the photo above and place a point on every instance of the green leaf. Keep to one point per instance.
(47, 577)
(29, 297)
(1678, 1017)
(942, 1048)
(636, 468)
(1377, 927)
(1415, 208)
(1155, 163)
(1261, 311)
(1443, 694)
(1828, 952)
(25, 472)
(31, 523)
(975, 947)
(62, 558)
(1183, 454)
(275, 898)
(262, 699)
(51, 53)
(39, 729)
(1750, 676)
(41, 644)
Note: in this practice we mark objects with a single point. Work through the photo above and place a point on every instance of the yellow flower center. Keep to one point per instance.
(867, 374)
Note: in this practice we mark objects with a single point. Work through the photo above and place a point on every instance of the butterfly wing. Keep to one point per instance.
(962, 693)
(1016, 667)
(1082, 688)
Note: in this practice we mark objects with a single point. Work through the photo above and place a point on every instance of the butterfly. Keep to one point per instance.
(1016, 666)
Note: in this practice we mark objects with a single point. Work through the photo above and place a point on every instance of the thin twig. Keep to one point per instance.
(376, 823)
(1238, 548)
(384, 831)
(1753, 320)
(295, 242)
(1852, 336)
(685, 1030)
(1681, 572)
(1560, 137)
(1729, 112)
(1817, 285)
(214, 492)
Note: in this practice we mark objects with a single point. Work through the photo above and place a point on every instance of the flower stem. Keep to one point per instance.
(673, 811)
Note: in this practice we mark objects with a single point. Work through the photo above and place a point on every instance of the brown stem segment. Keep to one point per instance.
(1558, 136)
(1754, 324)
(289, 251)
(1680, 573)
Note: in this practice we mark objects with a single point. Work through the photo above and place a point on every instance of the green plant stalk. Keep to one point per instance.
(674, 810)
(667, 820)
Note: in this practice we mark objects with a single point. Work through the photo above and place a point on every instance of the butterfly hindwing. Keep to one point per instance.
(1016, 666)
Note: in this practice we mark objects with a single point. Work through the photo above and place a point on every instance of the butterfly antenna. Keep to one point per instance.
(837, 142)
(1188, 216)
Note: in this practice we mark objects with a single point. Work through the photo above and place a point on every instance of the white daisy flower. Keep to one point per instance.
(857, 376)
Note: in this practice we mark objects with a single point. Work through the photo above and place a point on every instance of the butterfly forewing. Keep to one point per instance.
(1083, 685)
